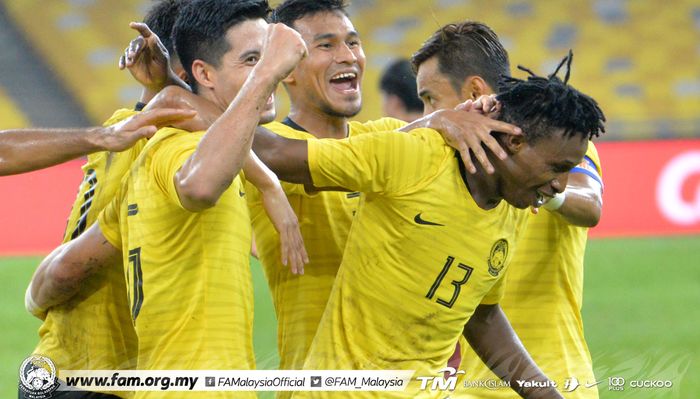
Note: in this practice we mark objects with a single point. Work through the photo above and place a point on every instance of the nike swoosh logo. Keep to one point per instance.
(419, 220)
(593, 384)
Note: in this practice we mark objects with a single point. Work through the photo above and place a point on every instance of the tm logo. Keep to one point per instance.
(441, 383)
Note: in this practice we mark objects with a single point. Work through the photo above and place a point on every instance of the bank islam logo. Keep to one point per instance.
(37, 377)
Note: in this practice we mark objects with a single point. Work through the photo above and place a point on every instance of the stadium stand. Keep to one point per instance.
(11, 117)
(82, 40)
(639, 59)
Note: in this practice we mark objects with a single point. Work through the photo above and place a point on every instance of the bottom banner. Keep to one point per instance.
(38, 375)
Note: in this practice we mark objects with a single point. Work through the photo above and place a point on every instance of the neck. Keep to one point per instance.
(484, 187)
(210, 95)
(320, 124)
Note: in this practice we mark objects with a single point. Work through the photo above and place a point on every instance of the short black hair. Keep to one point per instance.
(465, 49)
(161, 19)
(200, 29)
(292, 10)
(540, 104)
(399, 79)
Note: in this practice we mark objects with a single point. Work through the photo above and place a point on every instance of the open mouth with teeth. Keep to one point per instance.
(344, 82)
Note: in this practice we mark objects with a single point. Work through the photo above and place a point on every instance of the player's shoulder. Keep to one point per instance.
(169, 136)
(379, 125)
(287, 131)
(431, 138)
(119, 115)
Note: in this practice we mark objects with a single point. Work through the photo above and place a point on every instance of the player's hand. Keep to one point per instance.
(287, 225)
(123, 135)
(147, 59)
(175, 97)
(486, 105)
(466, 131)
(282, 51)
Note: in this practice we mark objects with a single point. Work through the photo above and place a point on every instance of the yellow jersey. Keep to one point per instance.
(93, 331)
(187, 273)
(324, 219)
(420, 257)
(543, 301)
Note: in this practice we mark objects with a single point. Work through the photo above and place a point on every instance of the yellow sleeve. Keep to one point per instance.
(169, 156)
(108, 219)
(592, 154)
(388, 162)
(496, 294)
(590, 165)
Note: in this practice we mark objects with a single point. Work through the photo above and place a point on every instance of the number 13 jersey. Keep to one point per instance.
(421, 255)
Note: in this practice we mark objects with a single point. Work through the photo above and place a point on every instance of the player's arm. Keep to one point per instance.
(491, 336)
(287, 158)
(280, 213)
(59, 276)
(149, 63)
(468, 132)
(581, 203)
(210, 170)
(24, 150)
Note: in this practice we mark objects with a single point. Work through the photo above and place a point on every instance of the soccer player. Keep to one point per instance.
(180, 218)
(324, 91)
(398, 88)
(430, 242)
(546, 273)
(108, 340)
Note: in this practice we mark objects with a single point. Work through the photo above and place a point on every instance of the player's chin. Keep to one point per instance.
(346, 109)
(520, 201)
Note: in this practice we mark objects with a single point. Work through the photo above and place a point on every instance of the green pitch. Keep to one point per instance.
(641, 316)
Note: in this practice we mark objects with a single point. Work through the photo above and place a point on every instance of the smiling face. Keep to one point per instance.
(328, 79)
(540, 169)
(245, 42)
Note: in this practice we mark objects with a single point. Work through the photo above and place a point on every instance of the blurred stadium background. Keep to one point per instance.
(639, 58)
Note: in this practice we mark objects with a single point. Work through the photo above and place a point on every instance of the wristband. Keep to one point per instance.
(555, 202)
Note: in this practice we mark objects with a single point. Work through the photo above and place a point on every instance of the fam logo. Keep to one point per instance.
(675, 179)
(37, 377)
(497, 258)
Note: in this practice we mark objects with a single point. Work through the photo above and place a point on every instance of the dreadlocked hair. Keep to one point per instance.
(540, 105)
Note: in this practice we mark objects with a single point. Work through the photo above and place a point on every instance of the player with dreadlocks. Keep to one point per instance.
(546, 273)
(430, 243)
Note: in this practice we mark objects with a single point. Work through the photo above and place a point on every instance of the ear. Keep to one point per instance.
(474, 87)
(183, 75)
(203, 73)
(291, 78)
(512, 143)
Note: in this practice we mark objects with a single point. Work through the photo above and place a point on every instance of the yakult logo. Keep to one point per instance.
(670, 185)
